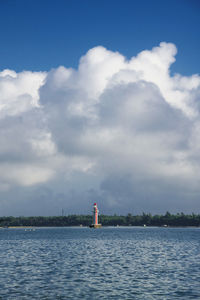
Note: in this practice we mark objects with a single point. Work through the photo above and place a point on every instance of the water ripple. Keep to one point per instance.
(110, 263)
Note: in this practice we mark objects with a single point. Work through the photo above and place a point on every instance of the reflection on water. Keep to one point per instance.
(108, 263)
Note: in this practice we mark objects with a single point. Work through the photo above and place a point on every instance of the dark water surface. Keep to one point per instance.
(107, 263)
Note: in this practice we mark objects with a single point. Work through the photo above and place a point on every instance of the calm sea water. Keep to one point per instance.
(107, 263)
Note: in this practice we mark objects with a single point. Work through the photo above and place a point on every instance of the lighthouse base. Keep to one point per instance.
(95, 226)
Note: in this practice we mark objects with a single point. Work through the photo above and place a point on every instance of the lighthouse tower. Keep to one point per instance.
(95, 217)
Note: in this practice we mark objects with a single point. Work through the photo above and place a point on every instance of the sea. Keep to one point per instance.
(106, 263)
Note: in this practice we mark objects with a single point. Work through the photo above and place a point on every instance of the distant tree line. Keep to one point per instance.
(179, 219)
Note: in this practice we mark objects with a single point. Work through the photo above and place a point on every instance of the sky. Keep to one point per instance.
(99, 102)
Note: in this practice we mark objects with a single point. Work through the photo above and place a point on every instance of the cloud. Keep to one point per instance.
(23, 137)
(19, 92)
(125, 132)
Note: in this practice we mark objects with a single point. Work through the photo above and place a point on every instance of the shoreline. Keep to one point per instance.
(103, 226)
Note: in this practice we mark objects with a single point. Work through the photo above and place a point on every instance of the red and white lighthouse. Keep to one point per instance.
(95, 214)
(95, 217)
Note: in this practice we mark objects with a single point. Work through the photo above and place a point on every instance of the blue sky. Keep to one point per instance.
(96, 104)
(40, 35)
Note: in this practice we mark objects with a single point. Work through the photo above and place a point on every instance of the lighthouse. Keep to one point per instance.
(95, 217)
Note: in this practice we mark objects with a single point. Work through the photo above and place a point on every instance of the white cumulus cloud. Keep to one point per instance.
(124, 131)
